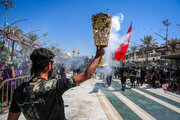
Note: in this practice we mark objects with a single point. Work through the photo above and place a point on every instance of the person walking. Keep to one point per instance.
(123, 78)
(133, 77)
(109, 79)
(153, 77)
(143, 75)
(138, 75)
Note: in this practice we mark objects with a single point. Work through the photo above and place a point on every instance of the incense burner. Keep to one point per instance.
(101, 29)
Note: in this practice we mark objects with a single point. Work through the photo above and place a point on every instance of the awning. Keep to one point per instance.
(176, 56)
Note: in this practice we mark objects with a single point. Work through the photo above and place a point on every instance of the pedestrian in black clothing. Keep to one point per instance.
(177, 75)
(116, 73)
(177, 72)
(133, 77)
(161, 76)
(109, 79)
(138, 76)
(119, 72)
(123, 77)
(143, 74)
(153, 77)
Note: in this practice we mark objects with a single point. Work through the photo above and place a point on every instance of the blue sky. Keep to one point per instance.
(68, 22)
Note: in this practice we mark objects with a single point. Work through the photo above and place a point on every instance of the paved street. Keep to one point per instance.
(94, 101)
(129, 49)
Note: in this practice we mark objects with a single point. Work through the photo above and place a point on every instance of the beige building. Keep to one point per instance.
(161, 53)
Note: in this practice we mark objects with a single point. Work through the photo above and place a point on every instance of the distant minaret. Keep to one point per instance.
(73, 51)
(78, 52)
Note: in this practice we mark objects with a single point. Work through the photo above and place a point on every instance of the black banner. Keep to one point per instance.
(148, 51)
(161, 49)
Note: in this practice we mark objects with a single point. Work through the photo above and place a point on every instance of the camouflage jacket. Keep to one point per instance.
(45, 98)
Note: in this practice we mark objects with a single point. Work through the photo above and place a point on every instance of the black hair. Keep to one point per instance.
(40, 58)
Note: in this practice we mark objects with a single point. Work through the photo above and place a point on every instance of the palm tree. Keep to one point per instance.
(7, 4)
(171, 42)
(167, 24)
(17, 31)
(32, 37)
(149, 43)
(4, 54)
(133, 49)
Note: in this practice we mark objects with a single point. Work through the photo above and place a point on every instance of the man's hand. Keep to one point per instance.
(100, 52)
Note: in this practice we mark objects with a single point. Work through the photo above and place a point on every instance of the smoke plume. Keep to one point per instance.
(115, 41)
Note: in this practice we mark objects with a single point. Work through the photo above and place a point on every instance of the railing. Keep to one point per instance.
(6, 90)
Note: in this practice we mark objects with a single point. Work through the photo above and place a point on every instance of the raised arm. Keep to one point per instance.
(88, 73)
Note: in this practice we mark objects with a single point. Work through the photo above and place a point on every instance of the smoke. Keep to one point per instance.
(115, 41)
(71, 62)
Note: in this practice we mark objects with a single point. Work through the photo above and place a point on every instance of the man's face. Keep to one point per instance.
(51, 67)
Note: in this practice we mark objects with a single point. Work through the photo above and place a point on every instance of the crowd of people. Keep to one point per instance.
(12, 69)
(167, 78)
(155, 77)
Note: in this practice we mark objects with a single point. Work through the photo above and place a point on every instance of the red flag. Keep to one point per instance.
(120, 53)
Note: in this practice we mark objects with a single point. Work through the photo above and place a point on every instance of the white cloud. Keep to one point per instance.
(116, 22)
